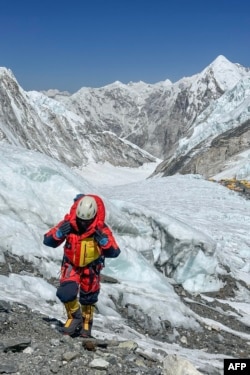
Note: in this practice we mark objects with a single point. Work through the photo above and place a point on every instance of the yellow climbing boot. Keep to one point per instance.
(87, 320)
(74, 321)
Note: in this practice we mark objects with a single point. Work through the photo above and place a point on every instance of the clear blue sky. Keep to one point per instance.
(75, 43)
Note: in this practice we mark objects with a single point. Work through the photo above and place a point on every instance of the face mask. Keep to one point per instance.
(83, 224)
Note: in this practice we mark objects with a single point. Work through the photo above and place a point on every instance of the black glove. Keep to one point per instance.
(63, 229)
(101, 238)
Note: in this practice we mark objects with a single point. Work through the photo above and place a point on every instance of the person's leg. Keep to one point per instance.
(89, 291)
(67, 292)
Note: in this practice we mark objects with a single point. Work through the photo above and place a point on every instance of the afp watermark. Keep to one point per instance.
(237, 366)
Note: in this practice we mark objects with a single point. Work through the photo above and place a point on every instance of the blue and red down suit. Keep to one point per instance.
(83, 258)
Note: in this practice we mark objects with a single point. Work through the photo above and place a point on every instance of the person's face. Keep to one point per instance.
(83, 224)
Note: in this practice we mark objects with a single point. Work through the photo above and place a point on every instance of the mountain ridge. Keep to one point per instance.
(124, 124)
(36, 122)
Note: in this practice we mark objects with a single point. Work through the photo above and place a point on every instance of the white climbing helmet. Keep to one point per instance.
(86, 208)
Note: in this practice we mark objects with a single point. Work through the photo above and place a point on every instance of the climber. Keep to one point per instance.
(88, 241)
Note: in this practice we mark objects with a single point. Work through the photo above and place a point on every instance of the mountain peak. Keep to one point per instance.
(220, 60)
(6, 72)
(221, 64)
(225, 73)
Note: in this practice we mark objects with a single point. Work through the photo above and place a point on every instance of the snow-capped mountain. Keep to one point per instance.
(36, 122)
(155, 116)
(220, 134)
(195, 125)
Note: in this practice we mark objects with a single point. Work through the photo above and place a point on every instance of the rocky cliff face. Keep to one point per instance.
(209, 161)
(219, 134)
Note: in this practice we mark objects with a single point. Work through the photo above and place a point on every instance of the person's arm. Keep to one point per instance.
(107, 243)
(56, 235)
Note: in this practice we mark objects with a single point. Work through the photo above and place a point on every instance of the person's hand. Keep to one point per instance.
(63, 229)
(101, 238)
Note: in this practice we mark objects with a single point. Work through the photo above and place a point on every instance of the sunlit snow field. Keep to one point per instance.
(196, 225)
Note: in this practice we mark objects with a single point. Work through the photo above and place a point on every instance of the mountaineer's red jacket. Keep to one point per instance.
(82, 249)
